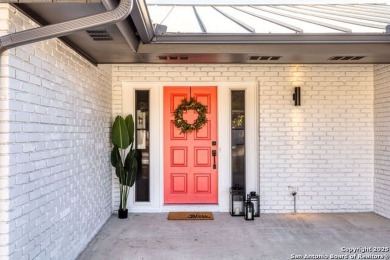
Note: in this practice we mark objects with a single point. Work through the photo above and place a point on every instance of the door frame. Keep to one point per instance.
(224, 89)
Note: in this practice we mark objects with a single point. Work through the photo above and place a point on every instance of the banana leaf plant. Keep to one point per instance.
(124, 156)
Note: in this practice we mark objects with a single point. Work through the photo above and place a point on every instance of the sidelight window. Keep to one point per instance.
(141, 121)
(238, 137)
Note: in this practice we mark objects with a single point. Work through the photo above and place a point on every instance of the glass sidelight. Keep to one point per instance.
(238, 138)
(141, 121)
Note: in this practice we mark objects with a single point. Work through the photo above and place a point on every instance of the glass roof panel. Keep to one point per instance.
(215, 22)
(355, 28)
(307, 27)
(182, 19)
(269, 18)
(159, 13)
(264, 2)
(260, 25)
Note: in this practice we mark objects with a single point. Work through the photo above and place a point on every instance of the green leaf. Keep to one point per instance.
(115, 156)
(136, 153)
(129, 160)
(120, 171)
(133, 172)
(119, 135)
(131, 168)
(130, 127)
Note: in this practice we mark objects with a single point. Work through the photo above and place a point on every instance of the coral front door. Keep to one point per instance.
(190, 170)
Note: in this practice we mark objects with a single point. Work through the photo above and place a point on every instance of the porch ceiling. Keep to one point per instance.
(258, 34)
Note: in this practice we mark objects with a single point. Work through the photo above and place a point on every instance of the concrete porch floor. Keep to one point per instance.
(272, 236)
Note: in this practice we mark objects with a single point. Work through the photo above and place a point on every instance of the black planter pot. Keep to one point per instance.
(122, 213)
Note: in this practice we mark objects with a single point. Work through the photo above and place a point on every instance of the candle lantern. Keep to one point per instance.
(249, 210)
(237, 200)
(255, 199)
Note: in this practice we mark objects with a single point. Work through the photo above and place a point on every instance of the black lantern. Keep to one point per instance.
(249, 210)
(255, 199)
(237, 200)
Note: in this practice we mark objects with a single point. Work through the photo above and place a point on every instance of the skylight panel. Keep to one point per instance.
(182, 19)
(349, 12)
(264, 2)
(159, 13)
(215, 22)
(263, 18)
(260, 25)
(306, 26)
(316, 12)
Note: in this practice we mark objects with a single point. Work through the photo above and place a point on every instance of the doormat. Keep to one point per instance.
(190, 216)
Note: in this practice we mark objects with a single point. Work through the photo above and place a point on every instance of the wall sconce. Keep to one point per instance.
(297, 96)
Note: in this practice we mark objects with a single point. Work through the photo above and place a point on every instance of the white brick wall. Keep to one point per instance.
(58, 184)
(325, 146)
(382, 140)
(4, 159)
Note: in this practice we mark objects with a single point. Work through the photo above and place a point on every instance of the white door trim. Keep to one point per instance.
(156, 203)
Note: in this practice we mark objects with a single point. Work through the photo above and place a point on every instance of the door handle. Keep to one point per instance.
(214, 153)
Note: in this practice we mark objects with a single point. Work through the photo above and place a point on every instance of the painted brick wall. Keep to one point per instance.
(325, 147)
(382, 140)
(4, 158)
(59, 176)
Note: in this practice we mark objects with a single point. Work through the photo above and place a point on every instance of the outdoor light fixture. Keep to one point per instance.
(255, 199)
(297, 96)
(237, 199)
(249, 209)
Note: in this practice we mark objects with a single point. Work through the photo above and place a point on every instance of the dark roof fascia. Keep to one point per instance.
(141, 18)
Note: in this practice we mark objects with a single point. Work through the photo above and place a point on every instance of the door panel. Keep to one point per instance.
(189, 176)
(179, 156)
(202, 157)
(205, 132)
(179, 183)
(202, 183)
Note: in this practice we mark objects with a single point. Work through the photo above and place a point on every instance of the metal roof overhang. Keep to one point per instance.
(350, 38)
(208, 47)
(308, 53)
(122, 47)
(308, 48)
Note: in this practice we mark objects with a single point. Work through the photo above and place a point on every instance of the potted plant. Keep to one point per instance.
(124, 159)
